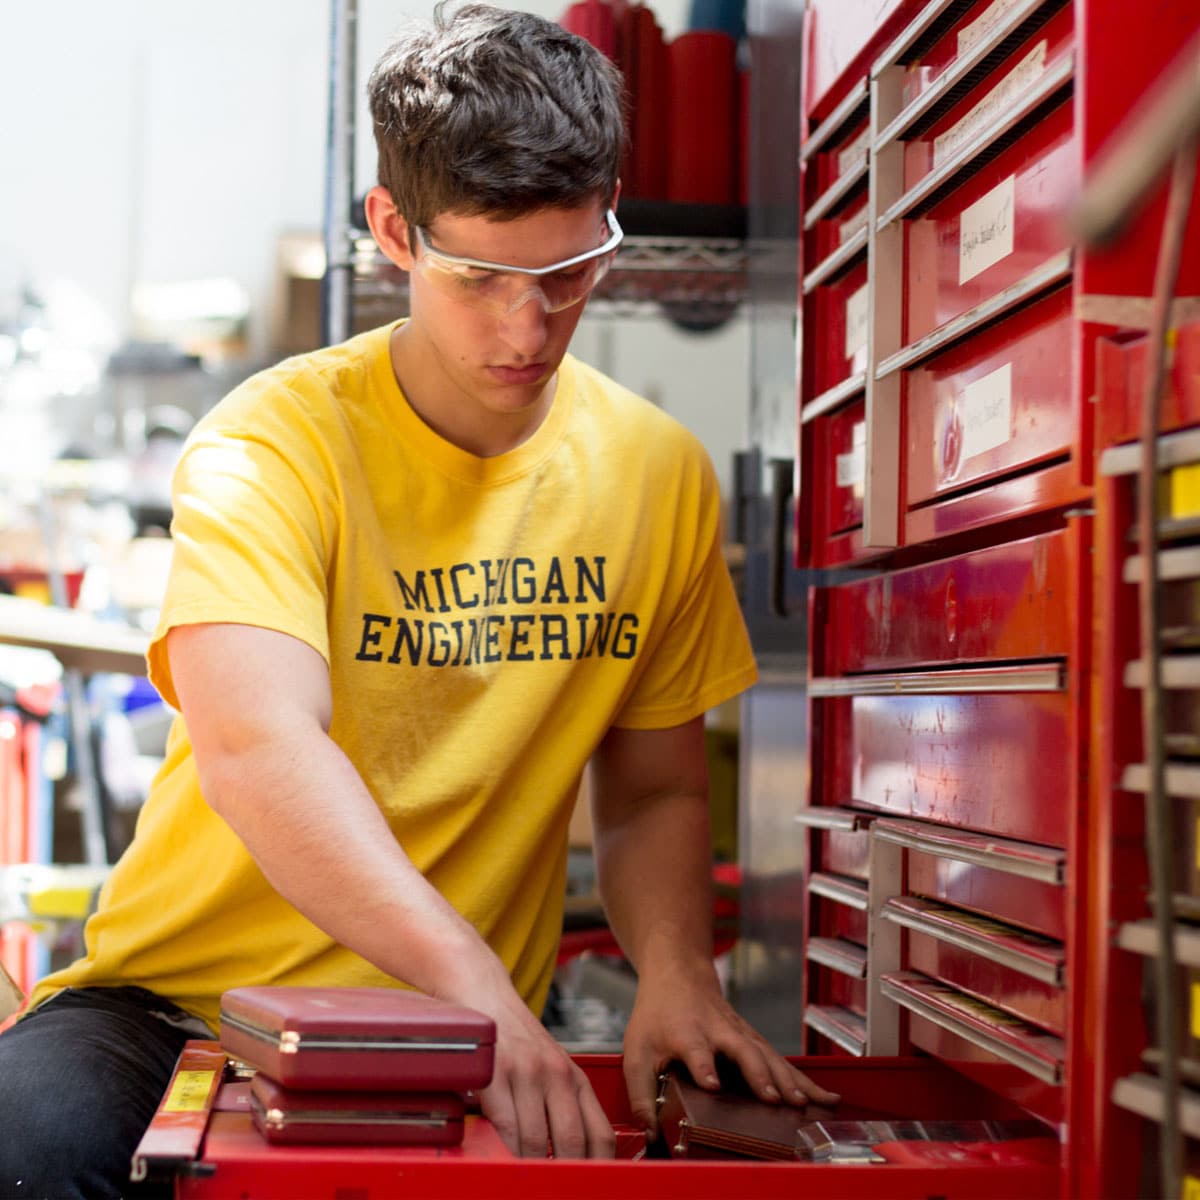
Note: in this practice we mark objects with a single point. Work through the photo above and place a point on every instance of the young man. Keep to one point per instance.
(420, 580)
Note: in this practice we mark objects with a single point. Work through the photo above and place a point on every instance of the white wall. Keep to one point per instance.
(165, 140)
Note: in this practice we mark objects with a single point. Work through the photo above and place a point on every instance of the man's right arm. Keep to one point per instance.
(258, 706)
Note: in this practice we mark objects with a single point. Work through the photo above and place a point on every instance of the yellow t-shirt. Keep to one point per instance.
(485, 621)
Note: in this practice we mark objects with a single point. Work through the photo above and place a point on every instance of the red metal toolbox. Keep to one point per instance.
(288, 1115)
(998, 227)
(358, 1038)
(996, 403)
(839, 307)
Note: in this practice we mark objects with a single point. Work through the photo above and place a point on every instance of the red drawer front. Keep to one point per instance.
(997, 402)
(1121, 382)
(836, 325)
(839, 462)
(1028, 903)
(843, 853)
(832, 233)
(1001, 224)
(833, 920)
(1041, 1004)
(1002, 603)
(830, 987)
(837, 159)
(997, 763)
(998, 92)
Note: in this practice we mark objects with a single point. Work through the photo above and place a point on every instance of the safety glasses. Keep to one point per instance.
(502, 289)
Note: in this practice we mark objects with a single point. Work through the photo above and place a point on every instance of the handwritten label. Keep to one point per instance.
(986, 410)
(992, 105)
(847, 229)
(855, 152)
(856, 322)
(985, 230)
(995, 12)
(852, 466)
(189, 1092)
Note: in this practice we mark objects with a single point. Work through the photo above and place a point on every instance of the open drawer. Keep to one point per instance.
(231, 1159)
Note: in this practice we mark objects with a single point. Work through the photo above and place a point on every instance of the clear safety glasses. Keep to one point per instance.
(502, 289)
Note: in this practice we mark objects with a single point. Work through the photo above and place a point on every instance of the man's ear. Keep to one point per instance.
(389, 228)
(616, 196)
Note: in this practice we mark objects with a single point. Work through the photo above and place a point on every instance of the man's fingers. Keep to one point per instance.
(533, 1133)
(496, 1104)
(601, 1141)
(641, 1083)
(802, 1088)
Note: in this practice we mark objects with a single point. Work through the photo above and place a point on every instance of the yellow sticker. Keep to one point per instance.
(1196, 1014)
(1185, 490)
(189, 1091)
(1191, 1188)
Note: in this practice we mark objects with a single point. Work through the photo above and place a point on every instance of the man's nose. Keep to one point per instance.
(524, 327)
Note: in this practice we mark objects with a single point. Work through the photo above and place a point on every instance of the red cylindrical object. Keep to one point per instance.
(643, 60)
(593, 20)
(703, 117)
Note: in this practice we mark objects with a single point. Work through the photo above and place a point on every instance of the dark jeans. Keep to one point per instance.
(80, 1078)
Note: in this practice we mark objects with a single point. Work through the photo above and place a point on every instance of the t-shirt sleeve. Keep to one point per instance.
(249, 545)
(702, 656)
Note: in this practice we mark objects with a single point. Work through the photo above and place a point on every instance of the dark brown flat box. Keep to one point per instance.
(289, 1116)
(358, 1039)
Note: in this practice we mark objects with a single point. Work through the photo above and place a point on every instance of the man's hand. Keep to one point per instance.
(538, 1097)
(680, 1015)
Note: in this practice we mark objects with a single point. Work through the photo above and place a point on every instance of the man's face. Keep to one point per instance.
(502, 360)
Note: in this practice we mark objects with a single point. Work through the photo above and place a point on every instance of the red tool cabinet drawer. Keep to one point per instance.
(1007, 602)
(995, 93)
(998, 402)
(830, 988)
(1001, 224)
(994, 762)
(839, 159)
(844, 853)
(1015, 971)
(832, 919)
(838, 310)
(839, 465)
(834, 233)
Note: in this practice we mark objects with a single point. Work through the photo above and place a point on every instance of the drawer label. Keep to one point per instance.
(855, 152)
(985, 230)
(856, 322)
(992, 105)
(1191, 1188)
(189, 1092)
(852, 466)
(995, 12)
(985, 412)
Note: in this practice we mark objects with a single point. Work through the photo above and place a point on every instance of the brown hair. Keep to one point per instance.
(495, 112)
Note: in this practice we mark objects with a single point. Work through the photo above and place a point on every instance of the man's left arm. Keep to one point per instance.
(654, 864)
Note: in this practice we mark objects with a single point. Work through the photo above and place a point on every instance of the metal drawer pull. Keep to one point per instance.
(841, 1026)
(1038, 957)
(850, 892)
(953, 75)
(835, 194)
(1054, 271)
(1174, 450)
(826, 816)
(1047, 864)
(1040, 1054)
(1181, 780)
(845, 112)
(1141, 937)
(1036, 677)
(1178, 671)
(1143, 1094)
(846, 958)
(830, 266)
(1054, 79)
(1183, 563)
(831, 399)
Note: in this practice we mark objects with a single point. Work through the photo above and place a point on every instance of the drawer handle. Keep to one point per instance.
(841, 1026)
(953, 75)
(848, 892)
(1036, 677)
(1141, 937)
(846, 958)
(1181, 780)
(946, 925)
(833, 195)
(1178, 672)
(1181, 563)
(829, 400)
(1055, 78)
(826, 816)
(1143, 1094)
(1051, 273)
(841, 257)
(913, 992)
(841, 116)
(1174, 450)
(1046, 864)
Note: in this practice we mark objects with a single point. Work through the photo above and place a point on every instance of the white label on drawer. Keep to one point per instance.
(985, 408)
(847, 229)
(856, 322)
(992, 105)
(995, 12)
(856, 152)
(985, 230)
(852, 466)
